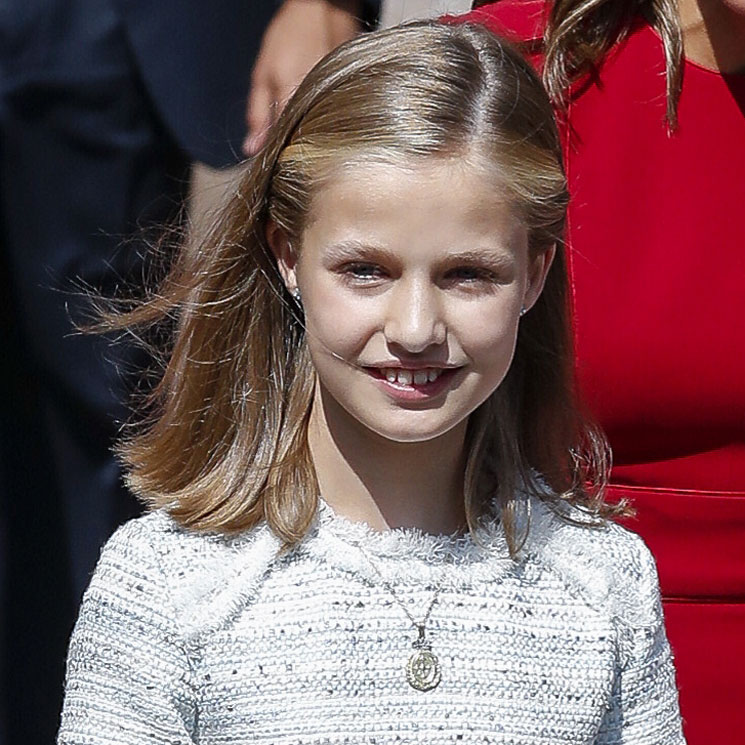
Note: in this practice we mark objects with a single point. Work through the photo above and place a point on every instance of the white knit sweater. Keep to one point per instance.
(186, 638)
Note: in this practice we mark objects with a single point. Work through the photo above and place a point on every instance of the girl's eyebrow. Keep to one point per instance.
(346, 250)
(497, 257)
(353, 249)
(359, 251)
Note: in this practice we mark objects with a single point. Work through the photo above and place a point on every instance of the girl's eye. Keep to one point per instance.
(470, 274)
(360, 271)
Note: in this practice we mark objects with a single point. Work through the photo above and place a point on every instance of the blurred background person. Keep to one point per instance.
(105, 105)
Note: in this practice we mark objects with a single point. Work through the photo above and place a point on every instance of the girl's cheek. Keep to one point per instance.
(341, 329)
(344, 315)
(484, 336)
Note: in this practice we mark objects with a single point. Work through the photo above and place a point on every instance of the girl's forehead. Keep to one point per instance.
(470, 183)
(431, 204)
(374, 164)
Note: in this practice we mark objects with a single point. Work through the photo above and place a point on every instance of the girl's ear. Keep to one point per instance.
(537, 273)
(283, 253)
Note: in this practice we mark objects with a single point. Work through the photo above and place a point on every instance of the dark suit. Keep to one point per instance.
(103, 105)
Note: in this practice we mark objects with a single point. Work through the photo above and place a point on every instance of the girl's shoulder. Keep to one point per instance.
(156, 560)
(520, 20)
(173, 547)
(605, 564)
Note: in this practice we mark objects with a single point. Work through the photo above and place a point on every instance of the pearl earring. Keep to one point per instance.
(523, 311)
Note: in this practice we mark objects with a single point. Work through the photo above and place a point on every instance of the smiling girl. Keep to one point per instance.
(377, 513)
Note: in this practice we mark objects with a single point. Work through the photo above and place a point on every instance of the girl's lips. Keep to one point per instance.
(410, 384)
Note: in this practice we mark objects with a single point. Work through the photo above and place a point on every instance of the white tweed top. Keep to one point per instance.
(186, 638)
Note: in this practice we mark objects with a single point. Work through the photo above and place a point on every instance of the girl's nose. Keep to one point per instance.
(414, 318)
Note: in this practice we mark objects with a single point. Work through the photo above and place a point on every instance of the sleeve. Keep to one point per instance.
(128, 674)
(644, 706)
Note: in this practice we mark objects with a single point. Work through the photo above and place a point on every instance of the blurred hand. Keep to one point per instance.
(300, 34)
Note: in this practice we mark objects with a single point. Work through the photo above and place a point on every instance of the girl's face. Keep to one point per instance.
(412, 281)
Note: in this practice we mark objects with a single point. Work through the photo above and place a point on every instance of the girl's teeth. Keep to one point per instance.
(407, 377)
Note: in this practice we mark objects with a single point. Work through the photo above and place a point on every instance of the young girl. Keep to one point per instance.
(377, 513)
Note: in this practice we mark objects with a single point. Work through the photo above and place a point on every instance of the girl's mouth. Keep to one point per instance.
(409, 383)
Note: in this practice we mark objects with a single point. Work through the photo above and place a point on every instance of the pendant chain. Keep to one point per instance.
(420, 626)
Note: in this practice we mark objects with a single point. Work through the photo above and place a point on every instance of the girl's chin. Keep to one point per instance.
(406, 434)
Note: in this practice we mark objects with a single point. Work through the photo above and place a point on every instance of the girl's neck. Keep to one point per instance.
(713, 34)
(367, 478)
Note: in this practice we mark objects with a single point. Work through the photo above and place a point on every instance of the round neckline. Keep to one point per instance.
(411, 542)
(407, 555)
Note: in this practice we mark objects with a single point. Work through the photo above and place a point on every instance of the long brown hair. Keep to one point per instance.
(225, 444)
(579, 33)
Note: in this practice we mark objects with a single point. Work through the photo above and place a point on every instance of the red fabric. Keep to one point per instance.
(657, 261)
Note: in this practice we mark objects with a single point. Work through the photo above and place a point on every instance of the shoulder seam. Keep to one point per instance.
(157, 560)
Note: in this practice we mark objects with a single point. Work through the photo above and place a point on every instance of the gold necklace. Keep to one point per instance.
(423, 667)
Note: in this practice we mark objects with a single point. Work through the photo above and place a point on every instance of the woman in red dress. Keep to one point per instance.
(655, 150)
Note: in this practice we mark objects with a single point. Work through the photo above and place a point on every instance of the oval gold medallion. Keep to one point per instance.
(423, 670)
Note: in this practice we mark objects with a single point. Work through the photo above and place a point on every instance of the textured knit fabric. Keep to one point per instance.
(186, 638)
(657, 263)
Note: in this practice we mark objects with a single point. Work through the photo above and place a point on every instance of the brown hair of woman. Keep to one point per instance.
(578, 34)
(224, 445)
